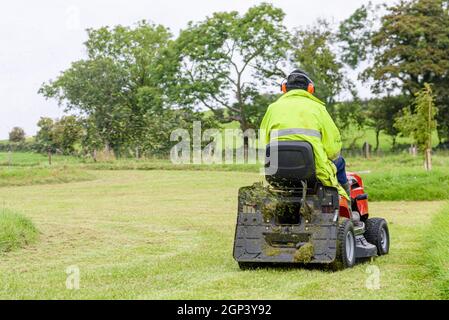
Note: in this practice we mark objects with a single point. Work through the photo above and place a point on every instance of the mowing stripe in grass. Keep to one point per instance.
(436, 251)
(21, 176)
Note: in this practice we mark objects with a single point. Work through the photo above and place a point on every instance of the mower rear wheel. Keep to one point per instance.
(345, 245)
(377, 234)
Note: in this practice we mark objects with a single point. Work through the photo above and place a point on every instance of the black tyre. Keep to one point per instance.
(377, 234)
(345, 245)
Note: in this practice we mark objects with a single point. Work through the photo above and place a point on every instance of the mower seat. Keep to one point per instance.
(287, 163)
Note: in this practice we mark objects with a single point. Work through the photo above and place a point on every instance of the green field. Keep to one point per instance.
(31, 159)
(168, 234)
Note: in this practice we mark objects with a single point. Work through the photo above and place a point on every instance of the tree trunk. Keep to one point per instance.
(244, 126)
(428, 159)
(377, 140)
(412, 150)
(366, 150)
(245, 148)
(243, 122)
(9, 158)
(49, 156)
(428, 164)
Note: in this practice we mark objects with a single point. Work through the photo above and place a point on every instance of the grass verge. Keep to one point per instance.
(16, 231)
(437, 251)
(21, 176)
(407, 184)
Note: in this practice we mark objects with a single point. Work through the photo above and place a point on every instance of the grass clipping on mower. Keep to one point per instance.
(304, 254)
(262, 197)
(268, 201)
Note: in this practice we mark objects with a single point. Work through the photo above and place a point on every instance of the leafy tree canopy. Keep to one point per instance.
(122, 82)
(411, 48)
(17, 135)
(227, 58)
(314, 52)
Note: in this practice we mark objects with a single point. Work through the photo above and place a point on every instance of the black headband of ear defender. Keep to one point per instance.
(295, 76)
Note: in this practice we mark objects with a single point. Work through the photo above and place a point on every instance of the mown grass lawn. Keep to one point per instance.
(169, 234)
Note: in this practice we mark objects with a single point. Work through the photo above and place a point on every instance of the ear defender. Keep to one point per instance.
(284, 87)
(311, 88)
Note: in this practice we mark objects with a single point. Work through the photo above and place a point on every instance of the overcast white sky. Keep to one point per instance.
(38, 39)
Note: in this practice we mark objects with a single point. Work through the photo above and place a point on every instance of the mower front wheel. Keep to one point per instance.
(377, 234)
(346, 245)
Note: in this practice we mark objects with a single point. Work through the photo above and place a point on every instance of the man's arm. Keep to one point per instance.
(330, 136)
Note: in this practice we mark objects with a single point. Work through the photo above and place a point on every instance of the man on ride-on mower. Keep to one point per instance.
(299, 115)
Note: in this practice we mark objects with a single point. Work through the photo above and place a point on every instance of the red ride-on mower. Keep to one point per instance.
(298, 220)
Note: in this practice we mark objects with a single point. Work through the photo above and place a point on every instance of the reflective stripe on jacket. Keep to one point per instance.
(298, 115)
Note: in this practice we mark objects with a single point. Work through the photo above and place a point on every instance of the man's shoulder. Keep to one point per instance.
(310, 102)
(299, 97)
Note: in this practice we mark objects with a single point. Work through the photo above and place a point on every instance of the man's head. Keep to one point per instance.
(298, 79)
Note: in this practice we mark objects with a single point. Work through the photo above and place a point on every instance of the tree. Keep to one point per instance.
(314, 53)
(255, 110)
(94, 88)
(381, 114)
(350, 117)
(45, 136)
(91, 140)
(355, 34)
(420, 124)
(67, 133)
(17, 135)
(227, 59)
(411, 48)
(126, 76)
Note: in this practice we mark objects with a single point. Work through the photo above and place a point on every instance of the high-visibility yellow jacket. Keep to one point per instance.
(298, 115)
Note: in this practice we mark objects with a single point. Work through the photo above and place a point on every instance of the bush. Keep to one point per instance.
(16, 231)
(25, 146)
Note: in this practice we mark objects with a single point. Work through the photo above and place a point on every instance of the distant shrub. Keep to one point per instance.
(24, 146)
(17, 134)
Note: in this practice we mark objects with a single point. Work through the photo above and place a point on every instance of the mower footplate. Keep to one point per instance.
(363, 248)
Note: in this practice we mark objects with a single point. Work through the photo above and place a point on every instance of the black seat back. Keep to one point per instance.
(288, 163)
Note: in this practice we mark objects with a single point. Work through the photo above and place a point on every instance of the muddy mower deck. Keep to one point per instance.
(298, 220)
